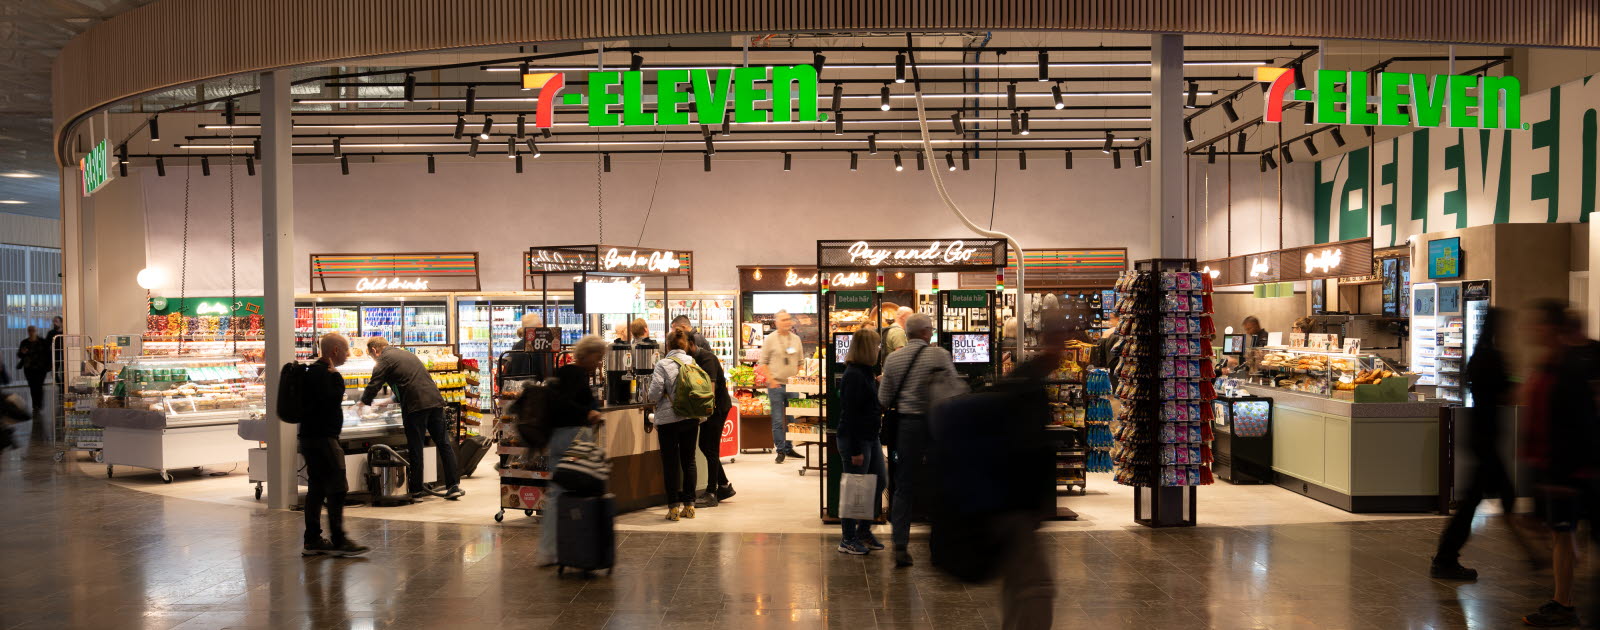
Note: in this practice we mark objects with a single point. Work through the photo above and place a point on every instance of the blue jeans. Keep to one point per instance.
(910, 451)
(856, 530)
(560, 439)
(778, 395)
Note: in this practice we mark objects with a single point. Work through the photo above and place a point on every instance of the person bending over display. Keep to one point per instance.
(421, 410)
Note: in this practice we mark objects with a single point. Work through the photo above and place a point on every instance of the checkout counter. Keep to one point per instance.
(1345, 430)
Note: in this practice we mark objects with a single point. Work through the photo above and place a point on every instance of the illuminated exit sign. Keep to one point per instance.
(753, 94)
(1441, 100)
(96, 168)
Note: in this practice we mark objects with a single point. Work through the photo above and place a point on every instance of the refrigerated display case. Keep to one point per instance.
(1424, 332)
(1243, 445)
(426, 325)
(399, 321)
(168, 413)
(713, 318)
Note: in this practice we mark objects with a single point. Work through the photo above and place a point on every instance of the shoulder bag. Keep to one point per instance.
(891, 414)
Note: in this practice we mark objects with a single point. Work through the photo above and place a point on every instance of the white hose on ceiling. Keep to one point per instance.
(938, 184)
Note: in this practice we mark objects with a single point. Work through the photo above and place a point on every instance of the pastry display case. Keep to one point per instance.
(1332, 374)
(190, 390)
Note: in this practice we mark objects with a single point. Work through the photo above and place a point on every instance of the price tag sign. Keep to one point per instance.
(545, 340)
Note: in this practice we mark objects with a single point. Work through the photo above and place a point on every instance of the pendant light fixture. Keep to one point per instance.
(706, 157)
(1116, 158)
(1194, 94)
(1068, 153)
(1109, 139)
(461, 126)
(872, 144)
(838, 123)
(966, 160)
(1338, 136)
(949, 161)
(249, 168)
(1242, 140)
(1227, 108)
(511, 147)
(227, 112)
(711, 147)
(900, 68)
(161, 167)
(472, 149)
(898, 165)
(1138, 158)
(838, 96)
(522, 125)
(1055, 92)
(922, 165)
(1016, 124)
(635, 62)
(955, 121)
(1025, 122)
(430, 163)
(1044, 65)
(1188, 131)
(853, 158)
(1022, 160)
(1211, 154)
(1310, 146)
(727, 128)
(488, 123)
(1288, 156)
(518, 160)
(817, 60)
(472, 99)
(605, 162)
(1270, 163)
(205, 166)
(1011, 95)
(533, 147)
(883, 98)
(337, 151)
(344, 164)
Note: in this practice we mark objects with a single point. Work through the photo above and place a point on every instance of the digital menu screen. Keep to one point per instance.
(969, 347)
(841, 346)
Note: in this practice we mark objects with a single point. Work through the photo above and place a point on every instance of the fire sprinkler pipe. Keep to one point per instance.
(944, 195)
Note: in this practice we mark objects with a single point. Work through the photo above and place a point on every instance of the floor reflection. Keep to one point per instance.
(83, 553)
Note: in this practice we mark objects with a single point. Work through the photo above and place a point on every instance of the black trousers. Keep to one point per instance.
(431, 421)
(677, 459)
(1489, 479)
(325, 485)
(36, 388)
(711, 445)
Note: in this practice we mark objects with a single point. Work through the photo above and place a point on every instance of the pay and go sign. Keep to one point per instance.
(1443, 100)
(754, 94)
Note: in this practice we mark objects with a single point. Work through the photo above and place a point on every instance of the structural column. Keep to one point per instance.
(1166, 147)
(277, 233)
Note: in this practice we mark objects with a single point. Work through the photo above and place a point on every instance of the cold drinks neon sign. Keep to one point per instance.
(391, 284)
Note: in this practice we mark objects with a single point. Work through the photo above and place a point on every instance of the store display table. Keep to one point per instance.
(1359, 457)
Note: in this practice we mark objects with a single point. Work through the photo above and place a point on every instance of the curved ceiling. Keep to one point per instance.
(174, 42)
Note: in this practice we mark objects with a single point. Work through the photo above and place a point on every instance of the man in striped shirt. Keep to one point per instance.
(913, 377)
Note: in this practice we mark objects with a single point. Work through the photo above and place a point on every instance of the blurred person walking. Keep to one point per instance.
(710, 434)
(860, 423)
(1559, 446)
(675, 432)
(421, 413)
(570, 406)
(894, 336)
(912, 378)
(322, 403)
(56, 330)
(1489, 381)
(781, 354)
(33, 357)
(992, 503)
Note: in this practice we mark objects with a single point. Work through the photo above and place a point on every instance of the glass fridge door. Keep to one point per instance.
(337, 320)
(425, 325)
(305, 332)
(381, 321)
(503, 323)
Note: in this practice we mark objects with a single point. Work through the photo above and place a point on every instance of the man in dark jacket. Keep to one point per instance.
(33, 356)
(421, 409)
(319, 445)
(717, 486)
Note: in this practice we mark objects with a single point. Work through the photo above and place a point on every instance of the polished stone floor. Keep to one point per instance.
(79, 552)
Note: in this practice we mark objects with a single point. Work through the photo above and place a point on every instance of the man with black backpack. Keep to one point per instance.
(320, 390)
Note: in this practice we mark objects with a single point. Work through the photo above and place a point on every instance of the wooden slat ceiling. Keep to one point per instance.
(174, 42)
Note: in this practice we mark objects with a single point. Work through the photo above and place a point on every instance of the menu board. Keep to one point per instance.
(969, 347)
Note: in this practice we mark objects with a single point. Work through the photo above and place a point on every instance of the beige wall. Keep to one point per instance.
(19, 229)
(119, 234)
(1276, 314)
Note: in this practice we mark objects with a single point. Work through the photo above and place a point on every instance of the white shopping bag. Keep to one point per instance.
(858, 496)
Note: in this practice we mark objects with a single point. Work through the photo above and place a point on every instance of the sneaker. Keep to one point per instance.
(418, 495)
(674, 512)
(725, 492)
(317, 548)
(793, 453)
(455, 493)
(706, 500)
(687, 511)
(853, 548)
(1451, 571)
(871, 542)
(347, 549)
(780, 458)
(902, 557)
(1553, 615)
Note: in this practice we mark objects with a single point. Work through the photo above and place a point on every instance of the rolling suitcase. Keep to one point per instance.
(469, 452)
(584, 537)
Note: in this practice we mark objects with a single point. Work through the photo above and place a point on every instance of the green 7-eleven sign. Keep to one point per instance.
(1443, 100)
(754, 94)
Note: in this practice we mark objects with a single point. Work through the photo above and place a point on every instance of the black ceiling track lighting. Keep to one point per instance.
(472, 99)
(707, 161)
(522, 73)
(1271, 163)
(344, 164)
(161, 167)
(410, 89)
(1022, 160)
(900, 68)
(1242, 140)
(1138, 158)
(1011, 95)
(1192, 100)
(1016, 124)
(1109, 139)
(1288, 156)
(966, 161)
(461, 126)
(949, 160)
(472, 149)
(511, 147)
(605, 162)
(853, 158)
(337, 151)
(883, 98)
(955, 121)
(711, 147)
(1055, 92)
(1024, 115)
(205, 166)
(898, 165)
(430, 163)
(522, 125)
(635, 62)
(1338, 136)
(1311, 146)
(921, 164)
(838, 98)
(872, 144)
(838, 123)
(155, 128)
(1116, 158)
(533, 147)
(1188, 131)
(249, 168)
(727, 128)
(518, 160)
(1211, 154)
(228, 111)
(788, 161)
(1068, 153)
(1227, 109)
(488, 124)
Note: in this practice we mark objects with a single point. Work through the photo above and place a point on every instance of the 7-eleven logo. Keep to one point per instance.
(1280, 80)
(548, 84)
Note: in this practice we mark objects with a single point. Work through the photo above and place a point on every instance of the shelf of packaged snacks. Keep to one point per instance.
(803, 388)
(803, 412)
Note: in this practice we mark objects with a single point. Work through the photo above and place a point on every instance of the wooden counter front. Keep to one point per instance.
(635, 458)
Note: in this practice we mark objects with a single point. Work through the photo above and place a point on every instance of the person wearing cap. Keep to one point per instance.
(421, 410)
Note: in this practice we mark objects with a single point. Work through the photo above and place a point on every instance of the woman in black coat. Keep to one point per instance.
(860, 421)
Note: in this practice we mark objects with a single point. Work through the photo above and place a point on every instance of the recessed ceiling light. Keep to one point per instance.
(13, 202)
(20, 174)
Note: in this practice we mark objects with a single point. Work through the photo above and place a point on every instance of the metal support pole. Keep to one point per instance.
(277, 247)
(1166, 137)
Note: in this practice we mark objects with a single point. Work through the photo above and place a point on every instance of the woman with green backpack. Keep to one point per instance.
(683, 395)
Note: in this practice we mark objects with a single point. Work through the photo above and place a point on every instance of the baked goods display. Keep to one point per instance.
(202, 385)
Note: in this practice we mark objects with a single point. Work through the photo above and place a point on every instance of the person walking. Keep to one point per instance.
(421, 410)
(908, 386)
(710, 434)
(33, 356)
(1489, 381)
(675, 433)
(860, 422)
(1558, 447)
(319, 445)
(56, 330)
(571, 406)
(781, 354)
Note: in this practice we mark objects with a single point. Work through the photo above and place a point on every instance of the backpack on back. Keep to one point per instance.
(695, 395)
(529, 413)
(292, 392)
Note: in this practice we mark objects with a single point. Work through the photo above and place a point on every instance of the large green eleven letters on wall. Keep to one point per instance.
(1441, 179)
